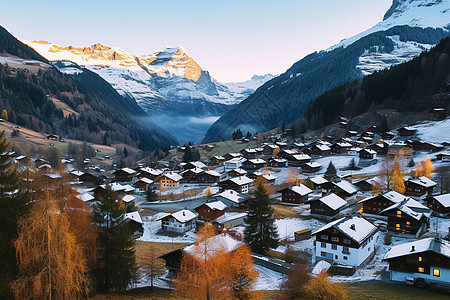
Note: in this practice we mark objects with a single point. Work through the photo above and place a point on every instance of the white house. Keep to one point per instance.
(349, 240)
(180, 221)
(234, 163)
(426, 260)
(230, 198)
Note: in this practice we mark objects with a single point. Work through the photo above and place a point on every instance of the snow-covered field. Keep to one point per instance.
(434, 132)
(152, 227)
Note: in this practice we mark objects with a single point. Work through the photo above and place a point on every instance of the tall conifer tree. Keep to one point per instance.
(261, 232)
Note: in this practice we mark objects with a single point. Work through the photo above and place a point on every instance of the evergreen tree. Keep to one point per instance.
(187, 156)
(330, 173)
(125, 152)
(249, 135)
(13, 205)
(151, 194)
(261, 233)
(116, 267)
(283, 127)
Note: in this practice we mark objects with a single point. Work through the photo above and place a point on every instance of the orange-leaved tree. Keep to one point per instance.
(397, 178)
(320, 288)
(428, 168)
(243, 275)
(293, 176)
(419, 171)
(275, 152)
(51, 262)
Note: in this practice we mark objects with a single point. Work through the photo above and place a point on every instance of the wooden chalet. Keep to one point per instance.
(419, 187)
(349, 240)
(117, 189)
(286, 153)
(320, 149)
(265, 179)
(311, 167)
(90, 177)
(149, 173)
(240, 184)
(404, 220)
(210, 211)
(231, 199)
(367, 154)
(234, 163)
(208, 176)
(440, 204)
(191, 175)
(344, 189)
(226, 223)
(372, 206)
(423, 262)
(295, 194)
(124, 175)
(298, 160)
(249, 153)
(135, 224)
(232, 155)
(169, 180)
(39, 162)
(216, 160)
(426, 146)
(254, 164)
(366, 184)
(237, 172)
(278, 162)
(379, 148)
(388, 135)
(406, 131)
(342, 147)
(180, 221)
(52, 137)
(75, 175)
(269, 148)
(141, 186)
(328, 206)
(439, 113)
(399, 150)
(444, 156)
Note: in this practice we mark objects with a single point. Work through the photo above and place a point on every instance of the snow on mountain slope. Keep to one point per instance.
(245, 88)
(168, 81)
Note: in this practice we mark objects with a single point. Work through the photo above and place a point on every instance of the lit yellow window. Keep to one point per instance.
(408, 223)
(421, 269)
(397, 226)
(399, 213)
(420, 258)
(436, 272)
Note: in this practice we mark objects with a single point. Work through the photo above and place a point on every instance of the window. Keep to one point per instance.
(336, 257)
(397, 226)
(345, 250)
(324, 237)
(399, 213)
(408, 223)
(345, 257)
(323, 245)
(420, 258)
(346, 241)
(334, 247)
(436, 272)
(421, 270)
(323, 254)
(334, 239)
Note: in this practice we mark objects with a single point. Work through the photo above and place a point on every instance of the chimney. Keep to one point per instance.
(353, 227)
(184, 214)
(413, 248)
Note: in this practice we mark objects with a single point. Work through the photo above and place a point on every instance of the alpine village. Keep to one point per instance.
(330, 180)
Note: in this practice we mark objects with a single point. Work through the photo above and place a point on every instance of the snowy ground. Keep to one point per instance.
(287, 227)
(432, 132)
(268, 279)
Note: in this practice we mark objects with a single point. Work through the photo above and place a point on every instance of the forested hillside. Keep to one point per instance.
(417, 86)
(81, 105)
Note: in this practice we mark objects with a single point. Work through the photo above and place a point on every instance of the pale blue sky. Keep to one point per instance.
(233, 39)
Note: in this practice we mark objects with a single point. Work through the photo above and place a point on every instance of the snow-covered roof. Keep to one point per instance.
(279, 160)
(313, 164)
(301, 156)
(216, 244)
(318, 180)
(347, 186)
(173, 176)
(226, 219)
(182, 216)
(269, 176)
(234, 154)
(135, 216)
(257, 161)
(232, 196)
(354, 227)
(128, 198)
(198, 164)
(271, 146)
(77, 173)
(250, 150)
(128, 188)
(115, 187)
(439, 246)
(323, 147)
(370, 151)
(240, 171)
(344, 145)
(53, 175)
(443, 199)
(195, 170)
(212, 173)
(333, 201)
(300, 189)
(152, 171)
(127, 170)
(404, 208)
(241, 180)
(219, 157)
(86, 197)
(146, 180)
(423, 181)
(216, 205)
(392, 196)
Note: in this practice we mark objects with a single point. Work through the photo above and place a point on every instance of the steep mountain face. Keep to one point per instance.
(412, 89)
(242, 90)
(408, 28)
(168, 81)
(75, 103)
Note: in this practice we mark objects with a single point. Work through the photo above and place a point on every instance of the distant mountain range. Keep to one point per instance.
(167, 81)
(408, 28)
(76, 103)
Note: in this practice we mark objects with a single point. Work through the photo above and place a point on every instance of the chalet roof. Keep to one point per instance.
(438, 246)
(128, 198)
(128, 188)
(218, 157)
(241, 180)
(271, 146)
(269, 176)
(126, 170)
(279, 160)
(135, 216)
(234, 154)
(398, 146)
(370, 151)
(333, 201)
(323, 147)
(257, 161)
(347, 186)
(318, 180)
(300, 189)
(423, 181)
(289, 152)
(392, 196)
(145, 180)
(86, 197)
(155, 172)
(77, 173)
(216, 205)
(172, 176)
(356, 228)
(407, 128)
(224, 220)
(404, 208)
(198, 164)
(443, 199)
(195, 170)
(250, 150)
(240, 171)
(212, 173)
(181, 216)
(344, 145)
(313, 165)
(216, 244)
(115, 187)
(301, 156)
(232, 195)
